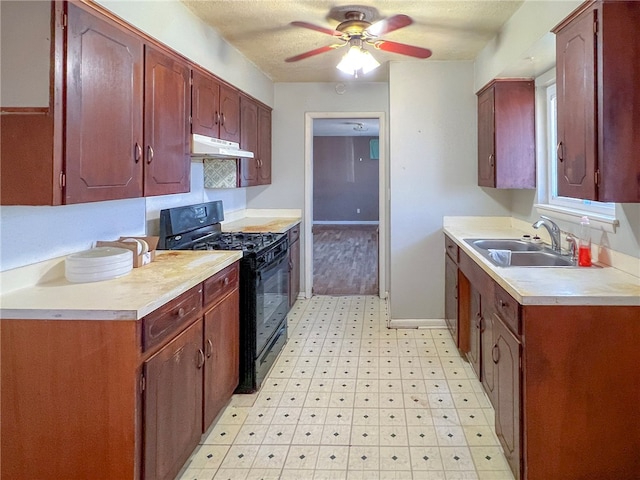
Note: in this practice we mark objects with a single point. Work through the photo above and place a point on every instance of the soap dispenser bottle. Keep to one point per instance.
(584, 243)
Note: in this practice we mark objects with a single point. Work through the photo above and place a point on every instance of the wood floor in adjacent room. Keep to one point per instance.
(345, 259)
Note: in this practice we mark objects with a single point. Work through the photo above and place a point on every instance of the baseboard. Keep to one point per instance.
(418, 323)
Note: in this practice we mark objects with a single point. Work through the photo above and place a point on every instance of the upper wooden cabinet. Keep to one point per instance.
(167, 162)
(598, 78)
(215, 108)
(104, 134)
(116, 123)
(255, 136)
(506, 134)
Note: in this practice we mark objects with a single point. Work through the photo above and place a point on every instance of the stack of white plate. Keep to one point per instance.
(100, 263)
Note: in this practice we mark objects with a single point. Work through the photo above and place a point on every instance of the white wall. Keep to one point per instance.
(433, 169)
(33, 234)
(291, 102)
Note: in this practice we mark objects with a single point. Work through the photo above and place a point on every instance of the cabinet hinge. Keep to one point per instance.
(64, 20)
(190, 120)
(143, 383)
(596, 176)
(595, 26)
(62, 180)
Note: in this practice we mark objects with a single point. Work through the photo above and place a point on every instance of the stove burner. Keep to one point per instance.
(248, 242)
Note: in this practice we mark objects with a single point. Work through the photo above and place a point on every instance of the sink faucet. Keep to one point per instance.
(553, 229)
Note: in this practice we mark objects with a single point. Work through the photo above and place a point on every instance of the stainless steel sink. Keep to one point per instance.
(506, 244)
(540, 259)
(523, 254)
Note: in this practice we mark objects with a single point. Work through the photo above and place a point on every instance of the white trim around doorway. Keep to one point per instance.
(383, 206)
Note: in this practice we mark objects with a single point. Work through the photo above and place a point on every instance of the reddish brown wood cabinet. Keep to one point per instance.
(255, 137)
(215, 107)
(104, 131)
(173, 404)
(117, 398)
(167, 103)
(551, 373)
(506, 134)
(294, 264)
(117, 121)
(222, 351)
(598, 77)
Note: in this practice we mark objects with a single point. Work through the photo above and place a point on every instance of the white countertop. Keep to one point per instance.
(545, 285)
(261, 224)
(44, 293)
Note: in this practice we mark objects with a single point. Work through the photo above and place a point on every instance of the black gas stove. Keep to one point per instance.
(264, 281)
(197, 227)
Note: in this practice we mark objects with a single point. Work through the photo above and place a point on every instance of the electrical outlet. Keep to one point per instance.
(357, 210)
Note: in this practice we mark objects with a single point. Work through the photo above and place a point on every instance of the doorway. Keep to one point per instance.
(344, 201)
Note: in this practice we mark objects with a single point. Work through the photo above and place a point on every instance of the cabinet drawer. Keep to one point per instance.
(451, 248)
(294, 234)
(508, 309)
(220, 284)
(170, 318)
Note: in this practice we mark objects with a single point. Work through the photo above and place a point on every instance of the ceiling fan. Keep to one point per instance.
(357, 31)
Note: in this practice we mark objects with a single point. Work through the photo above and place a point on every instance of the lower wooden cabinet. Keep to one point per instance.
(552, 373)
(222, 352)
(451, 296)
(294, 264)
(173, 404)
(505, 356)
(118, 399)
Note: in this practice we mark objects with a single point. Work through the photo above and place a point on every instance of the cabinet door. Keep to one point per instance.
(487, 367)
(475, 331)
(173, 404)
(167, 106)
(229, 114)
(294, 272)
(205, 105)
(104, 110)
(222, 350)
(249, 141)
(576, 95)
(486, 138)
(505, 356)
(264, 145)
(451, 297)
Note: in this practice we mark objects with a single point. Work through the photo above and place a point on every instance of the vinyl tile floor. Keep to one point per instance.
(350, 399)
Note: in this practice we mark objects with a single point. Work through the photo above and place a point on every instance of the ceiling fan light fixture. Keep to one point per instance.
(357, 59)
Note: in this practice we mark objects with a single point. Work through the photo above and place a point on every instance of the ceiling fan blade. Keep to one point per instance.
(403, 49)
(388, 25)
(311, 53)
(317, 28)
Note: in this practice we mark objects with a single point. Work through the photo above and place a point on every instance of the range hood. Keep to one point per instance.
(208, 147)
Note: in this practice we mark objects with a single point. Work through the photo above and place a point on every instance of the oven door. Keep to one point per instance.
(272, 299)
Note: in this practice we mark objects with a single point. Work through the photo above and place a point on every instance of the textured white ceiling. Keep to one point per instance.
(261, 31)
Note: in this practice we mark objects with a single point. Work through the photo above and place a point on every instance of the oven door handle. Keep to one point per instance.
(271, 265)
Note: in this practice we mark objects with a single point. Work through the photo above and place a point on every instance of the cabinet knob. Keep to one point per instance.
(222, 119)
(149, 154)
(495, 354)
(226, 281)
(209, 349)
(216, 118)
(181, 312)
(491, 158)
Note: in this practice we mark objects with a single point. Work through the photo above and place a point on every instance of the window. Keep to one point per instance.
(550, 203)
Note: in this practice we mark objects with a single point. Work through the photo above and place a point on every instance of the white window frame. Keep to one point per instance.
(549, 202)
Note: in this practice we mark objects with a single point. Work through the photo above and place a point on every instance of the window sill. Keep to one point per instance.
(601, 222)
